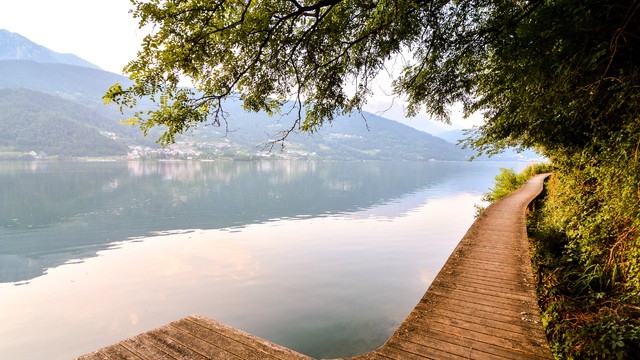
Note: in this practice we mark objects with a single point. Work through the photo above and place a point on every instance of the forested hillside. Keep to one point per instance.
(63, 96)
(46, 124)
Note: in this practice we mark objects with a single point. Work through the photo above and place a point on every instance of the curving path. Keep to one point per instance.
(482, 305)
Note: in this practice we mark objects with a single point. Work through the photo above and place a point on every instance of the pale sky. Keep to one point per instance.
(104, 33)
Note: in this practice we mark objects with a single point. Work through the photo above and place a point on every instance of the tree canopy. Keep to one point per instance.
(561, 76)
(553, 74)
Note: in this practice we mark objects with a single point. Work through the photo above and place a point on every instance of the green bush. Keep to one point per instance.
(586, 252)
(507, 181)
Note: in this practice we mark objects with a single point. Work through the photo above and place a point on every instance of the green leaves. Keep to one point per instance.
(268, 52)
(559, 76)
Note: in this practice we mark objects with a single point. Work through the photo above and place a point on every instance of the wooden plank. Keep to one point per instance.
(513, 317)
(118, 352)
(480, 282)
(196, 344)
(145, 348)
(221, 341)
(484, 290)
(265, 346)
(374, 355)
(489, 324)
(437, 349)
(167, 344)
(495, 336)
(464, 347)
(96, 355)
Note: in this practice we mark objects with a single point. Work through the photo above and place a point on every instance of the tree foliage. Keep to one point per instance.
(558, 75)
(324, 53)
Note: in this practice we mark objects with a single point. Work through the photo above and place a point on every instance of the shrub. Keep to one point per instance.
(507, 181)
(585, 252)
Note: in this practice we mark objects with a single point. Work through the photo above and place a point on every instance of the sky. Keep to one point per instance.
(99, 31)
(104, 33)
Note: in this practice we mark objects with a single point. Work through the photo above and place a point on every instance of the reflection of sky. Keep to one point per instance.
(58, 211)
(340, 260)
(344, 281)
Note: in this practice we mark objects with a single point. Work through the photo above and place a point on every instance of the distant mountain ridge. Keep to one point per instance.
(17, 47)
(36, 95)
(509, 154)
(83, 84)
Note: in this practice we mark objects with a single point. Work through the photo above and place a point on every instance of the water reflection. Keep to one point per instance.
(325, 258)
(325, 286)
(53, 212)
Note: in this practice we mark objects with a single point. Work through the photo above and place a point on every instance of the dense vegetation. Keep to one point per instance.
(561, 76)
(586, 253)
(507, 181)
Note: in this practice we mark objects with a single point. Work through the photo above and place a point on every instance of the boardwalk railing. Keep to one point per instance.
(481, 305)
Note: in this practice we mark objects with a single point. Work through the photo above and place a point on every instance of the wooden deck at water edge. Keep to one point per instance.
(481, 305)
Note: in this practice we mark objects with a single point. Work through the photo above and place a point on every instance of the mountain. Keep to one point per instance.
(16, 47)
(42, 124)
(509, 154)
(60, 104)
(452, 136)
(356, 137)
(77, 83)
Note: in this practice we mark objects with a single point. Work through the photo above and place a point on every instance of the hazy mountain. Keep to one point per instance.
(346, 138)
(16, 47)
(82, 84)
(359, 136)
(454, 136)
(74, 102)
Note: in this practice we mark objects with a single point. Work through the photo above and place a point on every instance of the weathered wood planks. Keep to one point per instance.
(482, 305)
(195, 337)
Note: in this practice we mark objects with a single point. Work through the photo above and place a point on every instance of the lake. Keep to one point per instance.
(326, 258)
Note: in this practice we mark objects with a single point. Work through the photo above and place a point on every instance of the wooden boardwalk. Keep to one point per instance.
(482, 305)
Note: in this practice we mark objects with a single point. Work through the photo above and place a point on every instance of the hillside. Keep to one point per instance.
(355, 137)
(77, 83)
(59, 111)
(79, 91)
(44, 124)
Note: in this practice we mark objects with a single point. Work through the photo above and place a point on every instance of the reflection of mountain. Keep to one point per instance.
(55, 212)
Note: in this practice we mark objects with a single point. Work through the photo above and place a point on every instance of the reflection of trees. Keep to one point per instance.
(170, 170)
(53, 212)
(280, 171)
(37, 194)
(202, 194)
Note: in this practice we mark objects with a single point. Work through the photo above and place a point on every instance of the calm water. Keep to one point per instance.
(324, 258)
